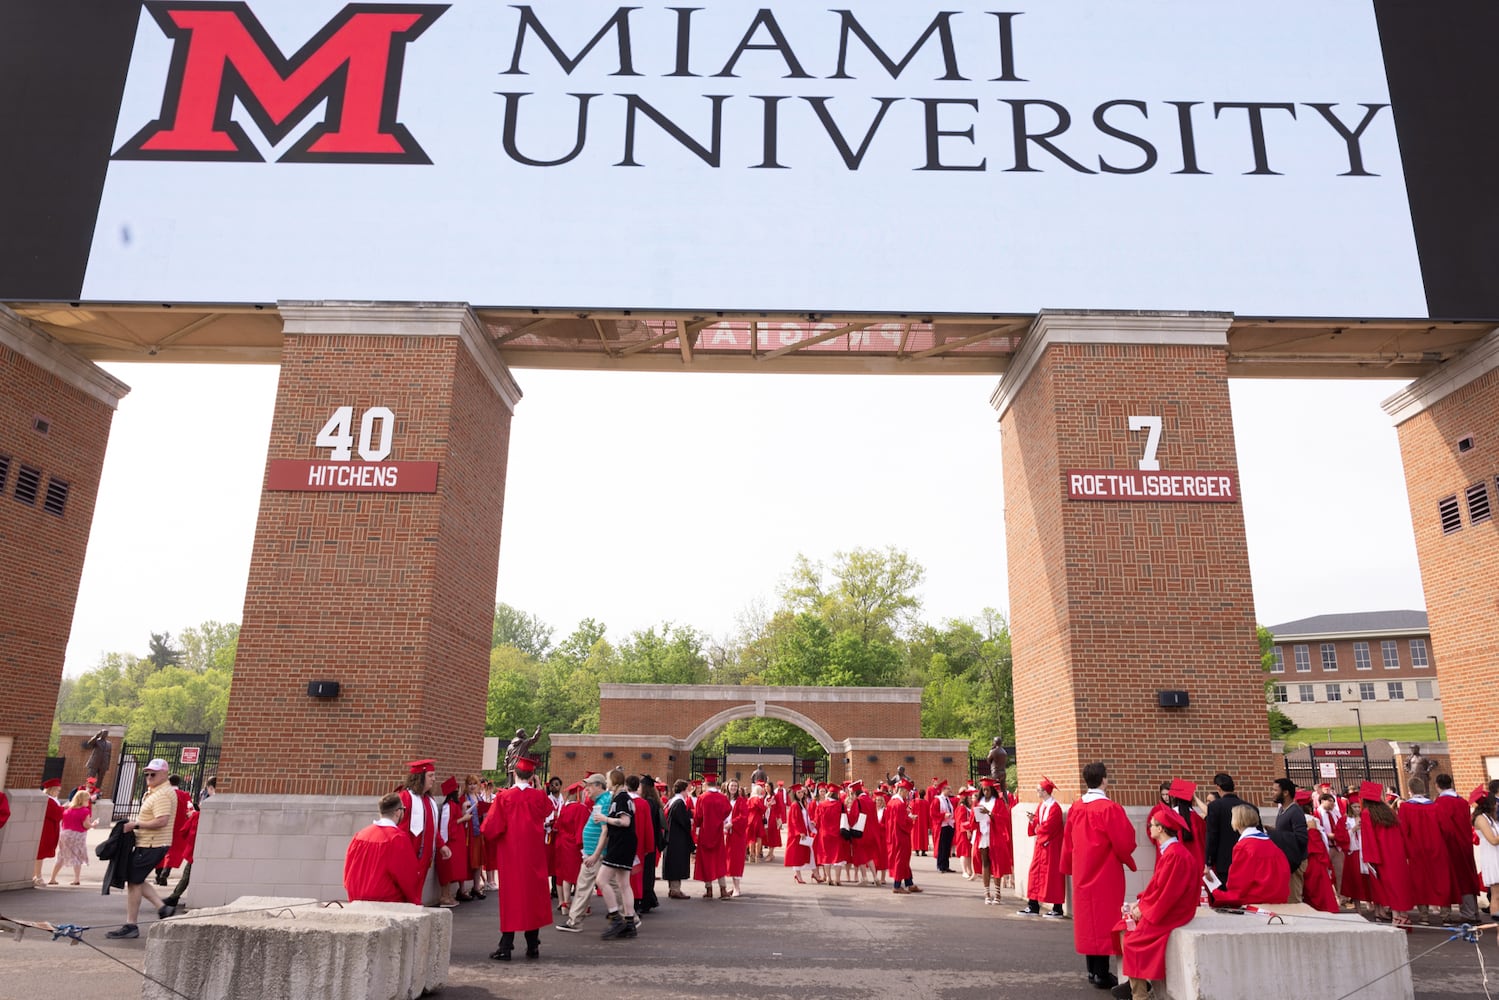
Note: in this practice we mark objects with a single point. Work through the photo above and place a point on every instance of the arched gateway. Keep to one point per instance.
(417, 208)
(652, 728)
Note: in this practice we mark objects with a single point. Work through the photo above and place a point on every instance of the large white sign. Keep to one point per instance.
(868, 156)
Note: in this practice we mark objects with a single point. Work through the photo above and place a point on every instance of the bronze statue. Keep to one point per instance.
(520, 747)
(1419, 766)
(99, 749)
(999, 760)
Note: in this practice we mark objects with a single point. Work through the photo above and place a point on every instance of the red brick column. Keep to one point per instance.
(389, 594)
(55, 413)
(1448, 424)
(1113, 601)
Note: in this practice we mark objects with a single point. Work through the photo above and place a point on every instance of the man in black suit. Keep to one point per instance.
(1290, 833)
(1221, 833)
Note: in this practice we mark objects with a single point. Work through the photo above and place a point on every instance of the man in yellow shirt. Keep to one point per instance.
(153, 838)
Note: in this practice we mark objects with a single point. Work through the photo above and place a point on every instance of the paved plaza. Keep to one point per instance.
(779, 940)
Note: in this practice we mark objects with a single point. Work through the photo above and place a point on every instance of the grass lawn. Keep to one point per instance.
(1403, 732)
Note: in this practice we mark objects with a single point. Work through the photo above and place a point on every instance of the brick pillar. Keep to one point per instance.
(1448, 423)
(1113, 601)
(390, 594)
(55, 413)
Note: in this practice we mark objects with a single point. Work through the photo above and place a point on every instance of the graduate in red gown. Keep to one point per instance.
(1355, 884)
(453, 820)
(1044, 883)
(1098, 843)
(962, 836)
(827, 815)
(1258, 872)
(1457, 837)
(4, 810)
(46, 846)
(516, 822)
(710, 821)
(799, 826)
(567, 842)
(1168, 902)
(900, 825)
(380, 864)
(419, 819)
(1383, 856)
(759, 809)
(1431, 871)
(921, 833)
(776, 820)
(736, 843)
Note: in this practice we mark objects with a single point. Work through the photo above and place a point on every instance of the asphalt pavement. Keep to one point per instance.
(780, 940)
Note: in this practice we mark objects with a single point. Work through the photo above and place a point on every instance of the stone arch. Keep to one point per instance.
(754, 710)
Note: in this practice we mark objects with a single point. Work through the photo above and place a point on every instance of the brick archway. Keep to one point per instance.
(767, 711)
(653, 728)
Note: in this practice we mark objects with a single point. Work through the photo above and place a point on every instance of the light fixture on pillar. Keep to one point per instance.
(910, 760)
(646, 755)
(1172, 699)
(570, 754)
(608, 754)
(873, 758)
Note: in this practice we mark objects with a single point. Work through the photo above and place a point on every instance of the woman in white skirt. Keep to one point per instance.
(1486, 822)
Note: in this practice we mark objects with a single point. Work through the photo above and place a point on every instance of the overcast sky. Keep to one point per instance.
(636, 499)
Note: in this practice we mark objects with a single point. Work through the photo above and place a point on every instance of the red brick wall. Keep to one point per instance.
(391, 595)
(44, 552)
(1111, 602)
(1459, 570)
(651, 717)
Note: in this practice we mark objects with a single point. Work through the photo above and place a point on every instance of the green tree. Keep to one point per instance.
(162, 653)
(1279, 722)
(675, 656)
(525, 632)
(872, 592)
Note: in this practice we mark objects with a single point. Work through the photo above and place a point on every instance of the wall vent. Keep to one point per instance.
(1478, 503)
(56, 500)
(28, 484)
(4, 471)
(1452, 516)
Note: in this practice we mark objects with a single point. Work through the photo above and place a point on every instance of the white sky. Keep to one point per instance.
(637, 499)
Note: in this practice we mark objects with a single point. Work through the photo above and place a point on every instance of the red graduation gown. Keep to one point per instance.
(796, 854)
(1098, 843)
(1430, 868)
(900, 824)
(776, 818)
(645, 842)
(516, 823)
(1258, 874)
(757, 810)
(1001, 847)
(1384, 849)
(1168, 902)
(425, 846)
(1457, 836)
(1317, 888)
(921, 833)
(863, 850)
(567, 840)
(4, 810)
(826, 842)
(455, 837)
(182, 820)
(380, 866)
(1045, 883)
(51, 829)
(737, 841)
(711, 862)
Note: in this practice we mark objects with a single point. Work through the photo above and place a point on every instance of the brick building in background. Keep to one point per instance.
(1380, 662)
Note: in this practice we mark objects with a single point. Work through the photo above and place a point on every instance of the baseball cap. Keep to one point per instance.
(157, 764)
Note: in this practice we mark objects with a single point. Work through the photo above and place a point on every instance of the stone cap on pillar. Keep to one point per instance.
(1103, 326)
(1477, 361)
(59, 360)
(404, 319)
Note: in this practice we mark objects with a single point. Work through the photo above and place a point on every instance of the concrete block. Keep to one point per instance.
(1222, 956)
(268, 948)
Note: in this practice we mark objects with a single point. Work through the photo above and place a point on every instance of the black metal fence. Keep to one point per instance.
(188, 755)
(1308, 773)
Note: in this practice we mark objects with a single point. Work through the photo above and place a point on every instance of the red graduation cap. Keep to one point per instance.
(574, 788)
(418, 766)
(1371, 791)
(710, 777)
(1303, 796)
(1047, 785)
(449, 786)
(1170, 819)
(1182, 789)
(52, 783)
(904, 785)
(526, 765)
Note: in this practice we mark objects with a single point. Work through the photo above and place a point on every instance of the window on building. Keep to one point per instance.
(1280, 694)
(1418, 653)
(1334, 693)
(1366, 691)
(1278, 663)
(1361, 656)
(1306, 692)
(1303, 655)
(1396, 690)
(1390, 650)
(1329, 656)
(1424, 691)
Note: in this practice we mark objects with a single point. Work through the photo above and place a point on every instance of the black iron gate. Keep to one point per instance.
(978, 767)
(1307, 773)
(188, 755)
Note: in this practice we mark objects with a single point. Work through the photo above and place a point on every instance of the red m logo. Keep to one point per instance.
(222, 53)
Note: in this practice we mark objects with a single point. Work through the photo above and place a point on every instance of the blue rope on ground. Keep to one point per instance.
(73, 931)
